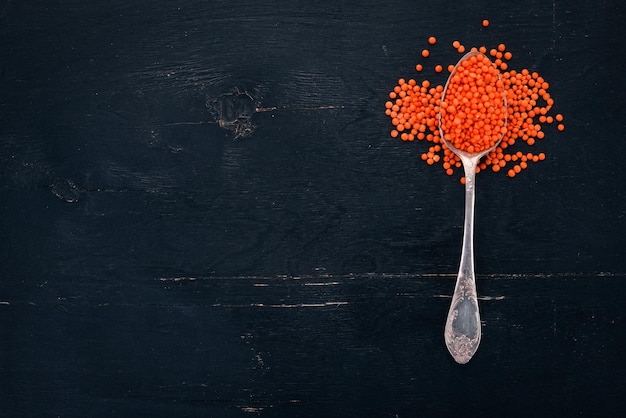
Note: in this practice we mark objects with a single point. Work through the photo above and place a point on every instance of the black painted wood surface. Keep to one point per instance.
(202, 214)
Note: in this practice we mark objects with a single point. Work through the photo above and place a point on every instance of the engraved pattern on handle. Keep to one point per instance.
(462, 331)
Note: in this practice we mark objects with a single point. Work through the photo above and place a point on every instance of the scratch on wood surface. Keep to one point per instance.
(491, 297)
(322, 284)
(259, 408)
(282, 305)
(251, 409)
(70, 192)
(177, 279)
(292, 107)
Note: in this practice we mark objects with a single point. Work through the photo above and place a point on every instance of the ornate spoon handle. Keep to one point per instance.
(462, 332)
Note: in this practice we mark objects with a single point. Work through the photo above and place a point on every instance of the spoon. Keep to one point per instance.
(463, 330)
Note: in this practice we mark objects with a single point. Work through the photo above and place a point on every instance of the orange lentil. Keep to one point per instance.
(456, 44)
(559, 117)
(432, 40)
(560, 127)
(425, 53)
(438, 68)
(419, 67)
(450, 68)
(485, 23)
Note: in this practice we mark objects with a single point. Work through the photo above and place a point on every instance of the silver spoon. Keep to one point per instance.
(462, 331)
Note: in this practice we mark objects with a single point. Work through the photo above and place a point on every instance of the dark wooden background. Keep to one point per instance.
(202, 214)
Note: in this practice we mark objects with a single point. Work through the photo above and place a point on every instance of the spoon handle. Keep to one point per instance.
(462, 332)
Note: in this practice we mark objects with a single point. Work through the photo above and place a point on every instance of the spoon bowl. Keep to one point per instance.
(463, 330)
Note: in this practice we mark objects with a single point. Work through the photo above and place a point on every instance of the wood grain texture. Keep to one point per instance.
(202, 214)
